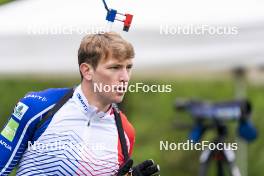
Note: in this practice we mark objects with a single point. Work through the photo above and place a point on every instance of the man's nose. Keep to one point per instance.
(124, 76)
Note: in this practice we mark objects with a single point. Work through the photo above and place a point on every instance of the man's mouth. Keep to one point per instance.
(121, 89)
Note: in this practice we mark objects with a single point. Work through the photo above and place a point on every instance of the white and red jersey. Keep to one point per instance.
(78, 140)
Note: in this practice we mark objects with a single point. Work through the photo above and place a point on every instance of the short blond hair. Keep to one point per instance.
(99, 46)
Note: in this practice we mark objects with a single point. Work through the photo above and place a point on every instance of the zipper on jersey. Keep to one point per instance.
(89, 123)
(90, 119)
(95, 115)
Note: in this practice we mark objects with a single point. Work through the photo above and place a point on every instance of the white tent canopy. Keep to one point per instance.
(19, 15)
(24, 48)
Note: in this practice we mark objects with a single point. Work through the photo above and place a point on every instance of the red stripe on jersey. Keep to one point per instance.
(130, 133)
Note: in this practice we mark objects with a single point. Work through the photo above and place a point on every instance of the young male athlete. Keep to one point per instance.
(77, 131)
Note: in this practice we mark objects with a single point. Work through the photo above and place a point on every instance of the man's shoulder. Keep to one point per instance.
(35, 102)
(128, 127)
(130, 132)
(50, 95)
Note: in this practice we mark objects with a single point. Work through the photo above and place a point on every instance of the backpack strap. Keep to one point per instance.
(121, 132)
(56, 108)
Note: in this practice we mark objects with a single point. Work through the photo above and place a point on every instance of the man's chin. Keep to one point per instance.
(118, 99)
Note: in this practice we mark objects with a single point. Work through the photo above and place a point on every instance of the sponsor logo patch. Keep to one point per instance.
(9, 131)
(20, 110)
(82, 102)
(36, 97)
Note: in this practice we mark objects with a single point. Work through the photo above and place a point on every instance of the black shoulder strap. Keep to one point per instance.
(56, 108)
(121, 132)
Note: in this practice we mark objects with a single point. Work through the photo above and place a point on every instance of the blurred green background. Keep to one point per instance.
(5, 1)
(152, 115)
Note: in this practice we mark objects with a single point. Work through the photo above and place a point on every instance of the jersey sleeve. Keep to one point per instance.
(14, 137)
(19, 131)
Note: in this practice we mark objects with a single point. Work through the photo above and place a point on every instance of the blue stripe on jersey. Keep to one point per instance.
(39, 103)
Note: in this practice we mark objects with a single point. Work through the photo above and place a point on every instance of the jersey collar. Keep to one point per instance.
(86, 108)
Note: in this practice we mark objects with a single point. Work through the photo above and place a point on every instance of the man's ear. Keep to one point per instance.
(87, 71)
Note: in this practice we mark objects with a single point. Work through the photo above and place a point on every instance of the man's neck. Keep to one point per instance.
(93, 99)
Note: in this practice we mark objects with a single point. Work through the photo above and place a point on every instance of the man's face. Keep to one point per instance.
(112, 77)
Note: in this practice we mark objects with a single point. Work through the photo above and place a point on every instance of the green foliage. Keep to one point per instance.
(152, 115)
(4, 1)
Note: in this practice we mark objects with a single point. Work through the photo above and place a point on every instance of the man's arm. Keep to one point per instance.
(18, 131)
(12, 146)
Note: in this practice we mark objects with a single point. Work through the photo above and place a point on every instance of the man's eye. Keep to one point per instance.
(114, 67)
(129, 67)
